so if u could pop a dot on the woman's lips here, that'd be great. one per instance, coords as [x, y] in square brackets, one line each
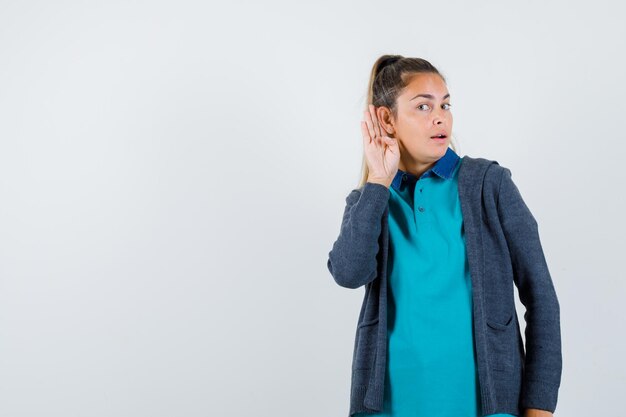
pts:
[439, 139]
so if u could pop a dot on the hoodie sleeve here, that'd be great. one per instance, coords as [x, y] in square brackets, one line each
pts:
[543, 360]
[352, 260]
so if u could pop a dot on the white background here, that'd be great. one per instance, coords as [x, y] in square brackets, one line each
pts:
[173, 175]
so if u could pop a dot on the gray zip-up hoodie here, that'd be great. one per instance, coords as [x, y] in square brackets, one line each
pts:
[503, 248]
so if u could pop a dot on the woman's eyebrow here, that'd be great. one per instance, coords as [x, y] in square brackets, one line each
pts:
[430, 96]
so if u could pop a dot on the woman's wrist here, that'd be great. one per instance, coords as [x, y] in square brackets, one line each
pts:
[382, 181]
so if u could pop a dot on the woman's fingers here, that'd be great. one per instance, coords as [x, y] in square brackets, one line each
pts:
[370, 127]
[375, 130]
[376, 125]
[374, 139]
[367, 140]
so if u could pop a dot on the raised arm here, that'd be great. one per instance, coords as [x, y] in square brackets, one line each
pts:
[352, 259]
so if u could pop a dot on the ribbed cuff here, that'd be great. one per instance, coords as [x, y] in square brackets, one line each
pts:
[539, 395]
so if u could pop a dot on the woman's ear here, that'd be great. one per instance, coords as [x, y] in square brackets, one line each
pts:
[385, 120]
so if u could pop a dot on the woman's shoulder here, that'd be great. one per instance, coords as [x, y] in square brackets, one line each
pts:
[482, 163]
[488, 171]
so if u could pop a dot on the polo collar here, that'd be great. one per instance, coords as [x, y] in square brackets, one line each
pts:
[444, 168]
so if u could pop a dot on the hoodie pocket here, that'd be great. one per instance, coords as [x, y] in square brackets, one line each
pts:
[502, 344]
[366, 344]
[500, 326]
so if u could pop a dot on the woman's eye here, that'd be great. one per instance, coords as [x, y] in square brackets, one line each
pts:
[445, 104]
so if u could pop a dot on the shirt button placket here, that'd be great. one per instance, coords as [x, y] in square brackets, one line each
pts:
[418, 197]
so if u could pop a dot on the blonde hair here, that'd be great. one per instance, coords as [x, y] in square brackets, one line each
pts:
[390, 74]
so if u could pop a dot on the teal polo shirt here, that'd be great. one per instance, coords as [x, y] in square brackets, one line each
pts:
[431, 366]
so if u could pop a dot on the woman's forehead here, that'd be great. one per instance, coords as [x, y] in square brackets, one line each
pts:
[429, 86]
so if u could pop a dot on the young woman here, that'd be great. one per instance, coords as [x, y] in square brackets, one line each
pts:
[438, 241]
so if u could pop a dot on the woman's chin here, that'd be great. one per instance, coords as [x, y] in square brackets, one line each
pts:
[439, 147]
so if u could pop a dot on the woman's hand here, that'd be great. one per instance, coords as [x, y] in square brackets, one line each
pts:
[534, 412]
[381, 152]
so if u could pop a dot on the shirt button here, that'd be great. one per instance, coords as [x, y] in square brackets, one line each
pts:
[404, 177]
[420, 208]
